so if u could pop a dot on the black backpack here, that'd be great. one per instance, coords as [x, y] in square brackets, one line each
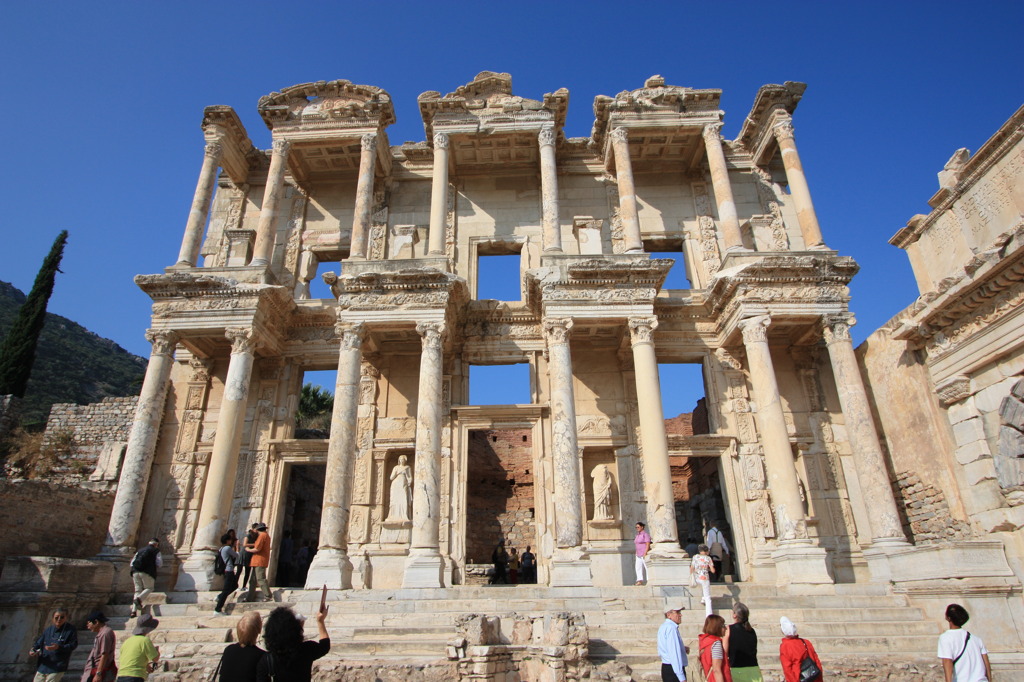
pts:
[218, 564]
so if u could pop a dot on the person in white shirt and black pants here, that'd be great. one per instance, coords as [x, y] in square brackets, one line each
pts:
[671, 649]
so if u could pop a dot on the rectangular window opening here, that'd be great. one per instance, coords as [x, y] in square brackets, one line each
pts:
[500, 384]
[498, 274]
[670, 248]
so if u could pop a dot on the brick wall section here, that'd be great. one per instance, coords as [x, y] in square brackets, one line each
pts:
[44, 518]
[927, 512]
[680, 426]
[500, 492]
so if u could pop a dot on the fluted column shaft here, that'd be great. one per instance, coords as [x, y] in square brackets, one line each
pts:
[364, 196]
[141, 448]
[197, 216]
[220, 479]
[564, 445]
[860, 429]
[771, 423]
[798, 188]
[722, 187]
[550, 228]
[661, 511]
[627, 192]
[439, 197]
[341, 448]
[264, 248]
[426, 496]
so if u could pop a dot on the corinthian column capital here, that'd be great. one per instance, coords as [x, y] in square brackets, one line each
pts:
[214, 150]
[281, 146]
[755, 329]
[368, 142]
[440, 141]
[783, 130]
[432, 333]
[556, 330]
[712, 132]
[546, 137]
[619, 135]
[641, 330]
[163, 340]
[241, 338]
[351, 334]
[836, 328]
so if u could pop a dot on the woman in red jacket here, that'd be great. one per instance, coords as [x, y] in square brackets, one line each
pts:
[793, 651]
[714, 650]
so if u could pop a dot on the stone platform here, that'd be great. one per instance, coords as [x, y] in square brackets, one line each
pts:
[426, 634]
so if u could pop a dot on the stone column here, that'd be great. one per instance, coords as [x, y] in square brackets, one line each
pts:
[439, 197]
[797, 560]
[551, 229]
[727, 217]
[364, 196]
[141, 448]
[665, 562]
[424, 567]
[570, 566]
[264, 248]
[798, 189]
[331, 566]
[886, 529]
[189, 253]
[627, 192]
[197, 571]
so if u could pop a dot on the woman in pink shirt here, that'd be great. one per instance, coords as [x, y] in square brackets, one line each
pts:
[643, 544]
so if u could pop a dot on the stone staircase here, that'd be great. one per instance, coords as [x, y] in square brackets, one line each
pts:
[405, 634]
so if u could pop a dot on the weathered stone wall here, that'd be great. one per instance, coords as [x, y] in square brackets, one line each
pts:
[927, 512]
[93, 425]
[45, 518]
[500, 491]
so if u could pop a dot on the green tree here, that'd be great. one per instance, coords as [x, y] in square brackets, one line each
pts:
[315, 407]
[19, 347]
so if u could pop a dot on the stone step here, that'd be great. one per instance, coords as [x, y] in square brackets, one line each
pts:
[845, 645]
[812, 630]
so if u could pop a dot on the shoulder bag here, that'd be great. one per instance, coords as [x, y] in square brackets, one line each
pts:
[809, 670]
[962, 650]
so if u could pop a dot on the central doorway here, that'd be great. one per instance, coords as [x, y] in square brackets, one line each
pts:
[302, 509]
[499, 492]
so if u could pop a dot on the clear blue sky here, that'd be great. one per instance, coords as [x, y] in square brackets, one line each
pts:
[102, 104]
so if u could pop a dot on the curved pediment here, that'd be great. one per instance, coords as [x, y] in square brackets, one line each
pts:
[324, 102]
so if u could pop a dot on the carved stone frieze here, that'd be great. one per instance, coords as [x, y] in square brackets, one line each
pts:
[954, 390]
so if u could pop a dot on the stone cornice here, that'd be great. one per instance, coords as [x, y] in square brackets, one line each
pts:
[770, 98]
[222, 125]
[654, 98]
[763, 279]
[337, 101]
[994, 149]
[488, 99]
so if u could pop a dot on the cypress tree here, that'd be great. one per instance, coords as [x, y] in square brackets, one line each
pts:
[19, 348]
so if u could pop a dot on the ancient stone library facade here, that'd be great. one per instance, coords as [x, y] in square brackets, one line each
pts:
[820, 478]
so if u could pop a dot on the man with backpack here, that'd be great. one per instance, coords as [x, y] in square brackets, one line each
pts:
[144, 566]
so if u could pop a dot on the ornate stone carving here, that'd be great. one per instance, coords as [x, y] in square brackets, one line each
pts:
[755, 329]
[241, 338]
[440, 141]
[761, 525]
[432, 334]
[556, 330]
[163, 340]
[783, 130]
[350, 334]
[214, 150]
[619, 135]
[641, 329]
[546, 137]
[368, 142]
[954, 390]
[712, 132]
[837, 328]
[728, 360]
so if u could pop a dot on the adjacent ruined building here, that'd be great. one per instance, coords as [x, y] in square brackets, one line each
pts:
[414, 483]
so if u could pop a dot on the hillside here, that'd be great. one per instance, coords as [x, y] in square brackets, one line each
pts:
[73, 365]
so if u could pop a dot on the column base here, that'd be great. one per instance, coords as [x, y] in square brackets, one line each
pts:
[668, 567]
[570, 567]
[801, 564]
[423, 569]
[196, 574]
[120, 559]
[878, 555]
[330, 567]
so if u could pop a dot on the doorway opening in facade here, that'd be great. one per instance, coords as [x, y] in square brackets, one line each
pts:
[696, 481]
[670, 248]
[499, 493]
[301, 523]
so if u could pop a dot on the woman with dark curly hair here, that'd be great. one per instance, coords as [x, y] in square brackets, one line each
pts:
[289, 658]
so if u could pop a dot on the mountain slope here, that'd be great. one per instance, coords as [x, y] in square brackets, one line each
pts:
[73, 365]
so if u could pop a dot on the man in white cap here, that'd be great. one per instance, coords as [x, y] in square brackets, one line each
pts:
[671, 649]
